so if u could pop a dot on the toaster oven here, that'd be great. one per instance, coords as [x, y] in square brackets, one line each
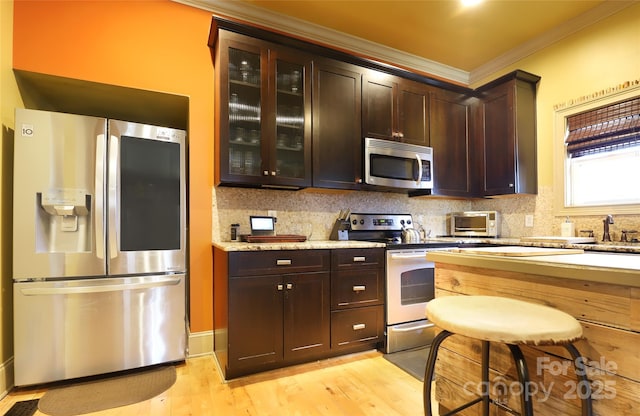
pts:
[473, 224]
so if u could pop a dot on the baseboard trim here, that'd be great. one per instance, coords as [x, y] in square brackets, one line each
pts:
[200, 343]
[6, 377]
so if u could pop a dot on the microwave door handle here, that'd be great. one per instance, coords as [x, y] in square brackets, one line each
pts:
[419, 168]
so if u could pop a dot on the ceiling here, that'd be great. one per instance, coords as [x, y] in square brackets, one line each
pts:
[442, 32]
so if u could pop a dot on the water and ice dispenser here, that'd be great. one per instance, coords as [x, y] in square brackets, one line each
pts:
[63, 223]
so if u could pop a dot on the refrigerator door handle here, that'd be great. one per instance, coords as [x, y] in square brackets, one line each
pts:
[108, 287]
[99, 196]
[112, 197]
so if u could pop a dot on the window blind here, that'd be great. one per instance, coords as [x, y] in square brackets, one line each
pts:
[604, 129]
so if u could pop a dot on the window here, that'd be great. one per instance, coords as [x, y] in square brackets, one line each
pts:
[600, 156]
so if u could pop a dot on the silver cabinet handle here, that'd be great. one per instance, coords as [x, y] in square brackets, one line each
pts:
[280, 287]
[283, 262]
[357, 327]
[359, 259]
[359, 288]
[289, 286]
[265, 172]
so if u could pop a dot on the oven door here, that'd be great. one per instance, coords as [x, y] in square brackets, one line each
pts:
[410, 285]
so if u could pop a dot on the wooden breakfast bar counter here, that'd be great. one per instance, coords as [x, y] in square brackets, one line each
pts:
[601, 290]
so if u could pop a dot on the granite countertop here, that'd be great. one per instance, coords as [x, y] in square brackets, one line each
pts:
[613, 247]
[602, 267]
[306, 245]
[633, 248]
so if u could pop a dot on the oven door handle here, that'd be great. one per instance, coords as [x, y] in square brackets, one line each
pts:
[405, 328]
[408, 256]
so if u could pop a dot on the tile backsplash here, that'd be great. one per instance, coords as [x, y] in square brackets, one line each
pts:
[313, 212]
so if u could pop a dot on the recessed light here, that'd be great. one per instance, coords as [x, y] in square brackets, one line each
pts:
[470, 3]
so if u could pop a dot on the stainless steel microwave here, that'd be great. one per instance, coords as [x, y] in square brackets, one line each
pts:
[474, 224]
[397, 165]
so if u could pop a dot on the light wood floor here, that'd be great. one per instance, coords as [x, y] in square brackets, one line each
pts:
[357, 384]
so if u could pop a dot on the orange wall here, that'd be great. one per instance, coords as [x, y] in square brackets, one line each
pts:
[147, 44]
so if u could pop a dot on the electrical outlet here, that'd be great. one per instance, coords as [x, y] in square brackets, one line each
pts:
[528, 220]
[272, 213]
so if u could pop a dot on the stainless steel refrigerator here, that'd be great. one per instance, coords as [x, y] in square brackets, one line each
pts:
[99, 256]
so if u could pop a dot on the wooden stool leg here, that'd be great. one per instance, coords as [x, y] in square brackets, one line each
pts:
[523, 377]
[583, 381]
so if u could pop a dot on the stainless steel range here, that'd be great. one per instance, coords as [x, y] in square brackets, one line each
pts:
[409, 277]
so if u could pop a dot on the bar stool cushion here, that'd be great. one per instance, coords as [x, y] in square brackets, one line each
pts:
[499, 319]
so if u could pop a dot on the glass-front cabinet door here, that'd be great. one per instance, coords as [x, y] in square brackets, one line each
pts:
[242, 132]
[265, 102]
[292, 125]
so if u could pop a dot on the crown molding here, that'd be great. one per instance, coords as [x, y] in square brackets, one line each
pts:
[600, 12]
[334, 39]
[251, 14]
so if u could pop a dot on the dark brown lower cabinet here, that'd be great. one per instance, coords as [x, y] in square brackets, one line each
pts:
[357, 298]
[355, 327]
[277, 308]
[276, 318]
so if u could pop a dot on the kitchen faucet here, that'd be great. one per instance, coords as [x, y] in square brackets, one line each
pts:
[609, 220]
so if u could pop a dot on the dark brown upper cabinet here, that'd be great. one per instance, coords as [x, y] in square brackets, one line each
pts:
[395, 108]
[337, 127]
[508, 135]
[455, 170]
[263, 123]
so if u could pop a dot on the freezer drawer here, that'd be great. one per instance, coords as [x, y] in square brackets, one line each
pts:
[70, 329]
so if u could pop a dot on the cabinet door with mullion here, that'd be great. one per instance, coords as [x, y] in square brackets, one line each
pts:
[255, 322]
[243, 85]
[288, 126]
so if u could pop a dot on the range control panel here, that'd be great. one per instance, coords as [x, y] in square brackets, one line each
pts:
[380, 222]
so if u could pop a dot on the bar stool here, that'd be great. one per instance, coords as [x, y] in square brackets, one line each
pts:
[508, 321]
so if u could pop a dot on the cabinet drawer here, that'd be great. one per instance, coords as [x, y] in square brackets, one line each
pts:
[253, 263]
[353, 288]
[351, 327]
[349, 258]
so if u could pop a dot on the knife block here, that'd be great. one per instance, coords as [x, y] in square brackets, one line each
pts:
[340, 230]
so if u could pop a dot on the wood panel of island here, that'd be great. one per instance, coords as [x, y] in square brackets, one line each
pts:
[601, 290]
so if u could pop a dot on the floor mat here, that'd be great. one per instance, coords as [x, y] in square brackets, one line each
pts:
[23, 408]
[107, 392]
[413, 362]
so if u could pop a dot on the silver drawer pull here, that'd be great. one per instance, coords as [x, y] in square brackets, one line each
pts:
[359, 288]
[358, 326]
[280, 287]
[283, 262]
[359, 259]
[289, 286]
